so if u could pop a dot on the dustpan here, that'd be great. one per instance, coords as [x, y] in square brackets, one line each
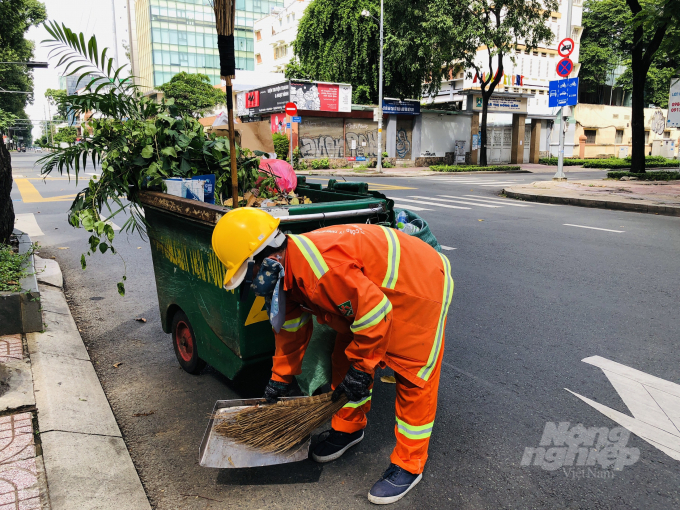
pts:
[218, 451]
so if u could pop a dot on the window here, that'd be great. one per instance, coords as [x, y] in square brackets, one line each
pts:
[534, 53]
[544, 54]
[280, 51]
[615, 116]
[619, 136]
[554, 19]
[258, 57]
[590, 135]
[646, 137]
[258, 35]
[292, 16]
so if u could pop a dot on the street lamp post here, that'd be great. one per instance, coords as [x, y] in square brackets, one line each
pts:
[380, 87]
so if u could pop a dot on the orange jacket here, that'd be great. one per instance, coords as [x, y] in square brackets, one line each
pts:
[388, 289]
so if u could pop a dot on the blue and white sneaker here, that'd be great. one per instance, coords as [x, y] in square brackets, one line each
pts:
[393, 485]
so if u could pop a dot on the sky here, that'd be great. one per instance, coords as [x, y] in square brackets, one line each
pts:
[92, 17]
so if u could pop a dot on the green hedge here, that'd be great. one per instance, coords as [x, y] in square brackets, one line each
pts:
[567, 161]
[281, 146]
[647, 176]
[625, 163]
[473, 168]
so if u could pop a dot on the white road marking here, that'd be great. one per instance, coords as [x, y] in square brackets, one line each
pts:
[27, 223]
[494, 185]
[654, 403]
[432, 203]
[483, 183]
[411, 207]
[446, 247]
[594, 228]
[458, 201]
[487, 200]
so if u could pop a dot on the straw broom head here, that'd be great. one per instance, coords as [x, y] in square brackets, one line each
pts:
[225, 12]
[280, 427]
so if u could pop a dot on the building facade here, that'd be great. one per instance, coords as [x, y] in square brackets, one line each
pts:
[274, 36]
[176, 36]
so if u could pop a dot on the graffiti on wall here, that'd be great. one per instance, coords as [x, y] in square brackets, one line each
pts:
[321, 138]
[403, 144]
[361, 138]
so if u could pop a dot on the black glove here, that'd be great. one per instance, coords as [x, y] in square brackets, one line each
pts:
[275, 390]
[355, 386]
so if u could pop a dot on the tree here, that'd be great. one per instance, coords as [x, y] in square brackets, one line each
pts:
[17, 17]
[641, 35]
[336, 43]
[193, 93]
[66, 134]
[652, 31]
[55, 97]
[499, 27]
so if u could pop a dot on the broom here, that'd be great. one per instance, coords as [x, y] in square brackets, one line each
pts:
[225, 11]
[279, 427]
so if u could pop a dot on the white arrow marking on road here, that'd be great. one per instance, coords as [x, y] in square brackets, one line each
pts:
[109, 222]
[446, 247]
[27, 223]
[488, 201]
[654, 403]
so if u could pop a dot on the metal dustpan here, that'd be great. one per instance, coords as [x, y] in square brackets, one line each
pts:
[220, 452]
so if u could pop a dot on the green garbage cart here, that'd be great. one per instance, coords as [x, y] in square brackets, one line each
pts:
[208, 323]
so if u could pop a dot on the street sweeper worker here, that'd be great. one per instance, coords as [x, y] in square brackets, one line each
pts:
[384, 292]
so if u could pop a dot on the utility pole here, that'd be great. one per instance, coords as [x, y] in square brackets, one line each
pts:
[559, 175]
[378, 167]
[115, 33]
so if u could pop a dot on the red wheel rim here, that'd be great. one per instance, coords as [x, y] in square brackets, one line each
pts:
[184, 340]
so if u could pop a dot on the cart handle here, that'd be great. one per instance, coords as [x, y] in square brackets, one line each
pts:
[335, 214]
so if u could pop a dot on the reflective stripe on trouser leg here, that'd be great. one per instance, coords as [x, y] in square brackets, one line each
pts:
[415, 409]
[347, 419]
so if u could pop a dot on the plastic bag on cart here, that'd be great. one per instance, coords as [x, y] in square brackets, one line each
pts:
[316, 365]
[286, 179]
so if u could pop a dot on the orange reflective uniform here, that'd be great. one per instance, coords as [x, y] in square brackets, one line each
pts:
[387, 295]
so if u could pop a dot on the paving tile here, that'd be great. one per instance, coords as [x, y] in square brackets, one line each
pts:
[11, 348]
[15, 424]
[19, 485]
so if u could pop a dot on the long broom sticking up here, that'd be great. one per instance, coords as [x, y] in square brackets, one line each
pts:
[280, 427]
[225, 11]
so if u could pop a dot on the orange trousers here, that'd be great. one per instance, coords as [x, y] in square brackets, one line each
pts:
[415, 410]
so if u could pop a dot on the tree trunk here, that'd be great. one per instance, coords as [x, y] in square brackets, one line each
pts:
[6, 206]
[482, 150]
[637, 119]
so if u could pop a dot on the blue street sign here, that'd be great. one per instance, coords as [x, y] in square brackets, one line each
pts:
[361, 158]
[563, 93]
[288, 124]
[297, 119]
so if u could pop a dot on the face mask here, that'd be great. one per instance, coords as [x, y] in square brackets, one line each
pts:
[268, 284]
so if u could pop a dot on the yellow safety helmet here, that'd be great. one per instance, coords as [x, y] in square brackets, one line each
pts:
[240, 235]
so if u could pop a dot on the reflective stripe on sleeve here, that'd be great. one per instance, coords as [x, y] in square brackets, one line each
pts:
[414, 431]
[425, 372]
[359, 402]
[373, 317]
[393, 258]
[296, 324]
[311, 254]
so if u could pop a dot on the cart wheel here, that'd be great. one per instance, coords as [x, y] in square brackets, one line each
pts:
[184, 342]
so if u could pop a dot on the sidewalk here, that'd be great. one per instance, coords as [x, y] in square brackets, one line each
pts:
[62, 449]
[654, 197]
[423, 171]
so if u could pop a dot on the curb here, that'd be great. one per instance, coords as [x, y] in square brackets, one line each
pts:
[86, 461]
[601, 204]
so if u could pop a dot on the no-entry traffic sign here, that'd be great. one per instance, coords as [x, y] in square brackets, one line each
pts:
[564, 67]
[291, 109]
[566, 47]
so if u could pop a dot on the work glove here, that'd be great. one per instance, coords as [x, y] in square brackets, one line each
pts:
[275, 390]
[355, 386]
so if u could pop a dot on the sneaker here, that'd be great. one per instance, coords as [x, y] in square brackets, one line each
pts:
[393, 485]
[335, 444]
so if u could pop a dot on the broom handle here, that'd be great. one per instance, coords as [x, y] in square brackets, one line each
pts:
[232, 146]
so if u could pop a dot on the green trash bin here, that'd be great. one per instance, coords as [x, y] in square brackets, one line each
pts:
[228, 334]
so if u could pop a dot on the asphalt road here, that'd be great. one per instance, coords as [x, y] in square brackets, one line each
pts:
[535, 294]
